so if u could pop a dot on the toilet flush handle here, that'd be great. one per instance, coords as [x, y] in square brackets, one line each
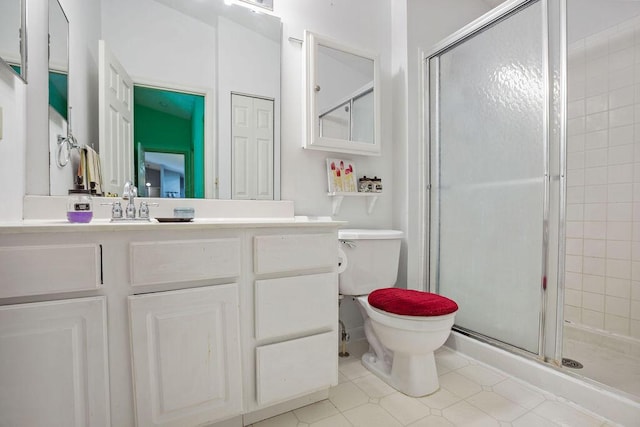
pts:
[348, 243]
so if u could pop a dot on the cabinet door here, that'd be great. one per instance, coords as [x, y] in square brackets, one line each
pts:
[186, 356]
[53, 364]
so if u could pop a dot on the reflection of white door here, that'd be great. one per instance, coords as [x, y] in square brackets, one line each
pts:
[251, 147]
[116, 122]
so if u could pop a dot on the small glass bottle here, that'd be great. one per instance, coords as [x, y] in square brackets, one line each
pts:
[79, 207]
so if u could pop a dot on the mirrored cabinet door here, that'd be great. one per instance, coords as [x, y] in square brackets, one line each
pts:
[13, 33]
[342, 97]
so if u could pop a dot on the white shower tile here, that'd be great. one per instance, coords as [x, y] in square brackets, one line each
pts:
[593, 266]
[620, 116]
[596, 67]
[575, 178]
[635, 290]
[621, 97]
[618, 287]
[596, 140]
[623, 38]
[573, 263]
[622, 135]
[574, 229]
[594, 302]
[595, 319]
[620, 230]
[596, 45]
[576, 126]
[635, 236]
[619, 269]
[635, 251]
[596, 85]
[598, 103]
[621, 78]
[593, 284]
[575, 160]
[573, 298]
[594, 122]
[636, 192]
[577, 108]
[634, 312]
[573, 246]
[620, 212]
[576, 143]
[575, 195]
[595, 229]
[576, 88]
[617, 324]
[595, 194]
[572, 314]
[595, 211]
[617, 306]
[636, 171]
[635, 270]
[573, 280]
[620, 155]
[619, 249]
[594, 248]
[621, 59]
[620, 174]
[634, 328]
[595, 176]
[620, 193]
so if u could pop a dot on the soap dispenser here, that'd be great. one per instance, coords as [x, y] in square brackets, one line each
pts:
[79, 205]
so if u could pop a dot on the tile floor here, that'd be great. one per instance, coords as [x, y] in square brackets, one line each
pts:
[471, 394]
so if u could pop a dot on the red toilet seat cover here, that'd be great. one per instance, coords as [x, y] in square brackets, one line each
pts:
[408, 302]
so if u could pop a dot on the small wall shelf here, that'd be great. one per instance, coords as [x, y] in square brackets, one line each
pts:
[338, 197]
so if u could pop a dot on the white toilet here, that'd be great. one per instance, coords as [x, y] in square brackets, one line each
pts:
[403, 327]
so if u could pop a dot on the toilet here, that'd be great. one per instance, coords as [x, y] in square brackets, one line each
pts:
[403, 327]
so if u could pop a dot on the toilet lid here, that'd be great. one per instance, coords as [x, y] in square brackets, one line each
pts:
[408, 302]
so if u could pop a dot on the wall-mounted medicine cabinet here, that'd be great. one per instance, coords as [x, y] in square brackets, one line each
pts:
[342, 97]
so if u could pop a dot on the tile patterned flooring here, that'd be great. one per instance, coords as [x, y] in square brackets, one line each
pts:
[471, 394]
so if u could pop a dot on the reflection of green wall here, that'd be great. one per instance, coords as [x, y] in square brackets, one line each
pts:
[161, 132]
[58, 84]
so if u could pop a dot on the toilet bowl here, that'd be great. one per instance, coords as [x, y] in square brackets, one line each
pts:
[403, 327]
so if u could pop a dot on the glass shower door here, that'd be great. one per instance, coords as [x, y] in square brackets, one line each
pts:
[488, 177]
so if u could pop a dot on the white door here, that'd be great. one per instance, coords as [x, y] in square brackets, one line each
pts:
[186, 356]
[53, 364]
[116, 122]
[252, 147]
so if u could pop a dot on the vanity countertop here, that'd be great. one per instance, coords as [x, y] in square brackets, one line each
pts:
[96, 225]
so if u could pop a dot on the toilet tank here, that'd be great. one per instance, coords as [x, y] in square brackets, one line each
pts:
[371, 260]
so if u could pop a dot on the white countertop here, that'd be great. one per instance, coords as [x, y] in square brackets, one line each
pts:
[59, 225]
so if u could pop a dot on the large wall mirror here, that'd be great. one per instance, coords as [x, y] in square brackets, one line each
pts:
[13, 52]
[185, 59]
[342, 97]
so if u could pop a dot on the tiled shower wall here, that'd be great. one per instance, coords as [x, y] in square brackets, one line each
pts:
[603, 181]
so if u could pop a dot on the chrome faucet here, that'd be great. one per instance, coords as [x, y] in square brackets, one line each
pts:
[129, 193]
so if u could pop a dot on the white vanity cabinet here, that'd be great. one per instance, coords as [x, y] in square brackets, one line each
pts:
[165, 325]
[294, 301]
[53, 364]
[186, 356]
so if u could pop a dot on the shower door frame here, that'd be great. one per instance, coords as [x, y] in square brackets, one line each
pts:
[552, 281]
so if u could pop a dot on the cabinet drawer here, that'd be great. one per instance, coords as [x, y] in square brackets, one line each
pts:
[295, 368]
[295, 252]
[294, 305]
[183, 261]
[36, 270]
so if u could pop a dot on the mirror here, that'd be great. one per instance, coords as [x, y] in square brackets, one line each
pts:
[13, 50]
[342, 97]
[208, 49]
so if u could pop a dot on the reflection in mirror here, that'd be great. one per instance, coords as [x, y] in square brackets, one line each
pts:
[342, 98]
[207, 48]
[12, 31]
[169, 137]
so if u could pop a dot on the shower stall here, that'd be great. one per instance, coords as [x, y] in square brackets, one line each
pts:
[532, 118]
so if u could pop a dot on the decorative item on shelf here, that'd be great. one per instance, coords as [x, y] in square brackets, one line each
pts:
[342, 176]
[376, 184]
[365, 185]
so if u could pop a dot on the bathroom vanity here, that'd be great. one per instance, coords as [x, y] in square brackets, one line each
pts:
[219, 322]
